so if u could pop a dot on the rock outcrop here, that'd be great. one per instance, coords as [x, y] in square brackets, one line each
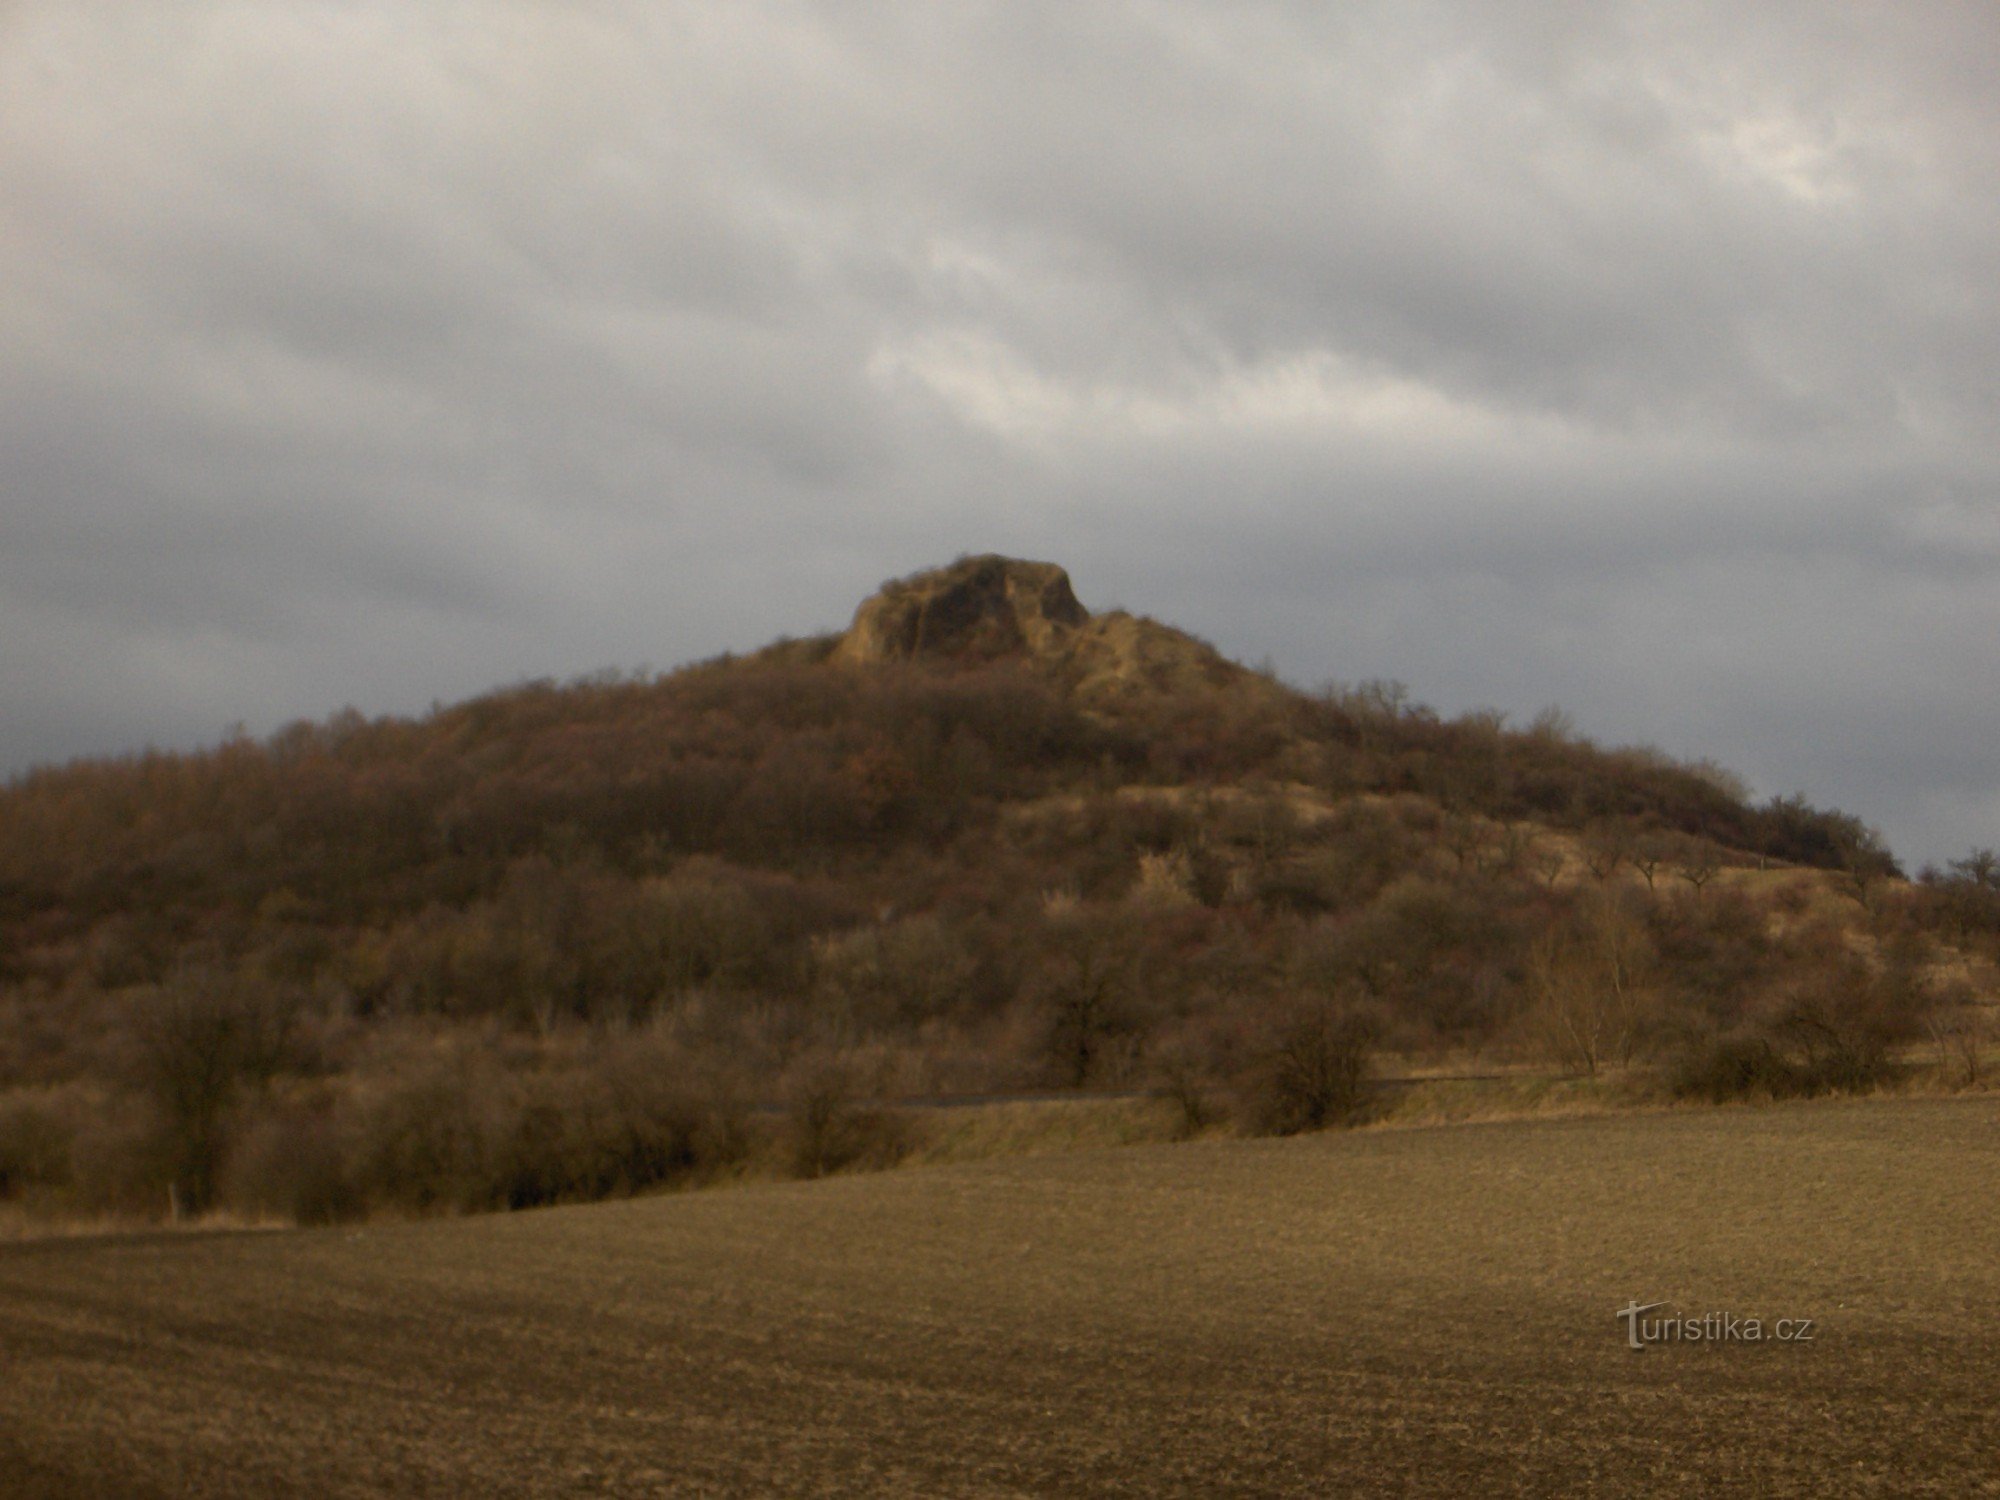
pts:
[991, 607]
[976, 607]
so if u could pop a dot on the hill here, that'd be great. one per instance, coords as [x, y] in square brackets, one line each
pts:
[569, 940]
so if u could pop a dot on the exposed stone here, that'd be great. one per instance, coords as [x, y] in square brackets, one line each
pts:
[1121, 653]
[983, 608]
[976, 607]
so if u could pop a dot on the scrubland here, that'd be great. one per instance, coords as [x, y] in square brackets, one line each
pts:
[986, 876]
[569, 943]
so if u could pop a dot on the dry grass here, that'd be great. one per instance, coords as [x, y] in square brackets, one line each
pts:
[1411, 1311]
[1040, 1127]
[1452, 1101]
[20, 1222]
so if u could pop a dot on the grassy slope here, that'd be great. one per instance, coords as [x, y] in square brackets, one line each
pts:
[1422, 1311]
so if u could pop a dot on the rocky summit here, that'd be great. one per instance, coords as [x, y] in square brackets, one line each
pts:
[976, 607]
[987, 607]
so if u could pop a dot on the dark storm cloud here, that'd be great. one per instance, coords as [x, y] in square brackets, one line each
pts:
[1630, 357]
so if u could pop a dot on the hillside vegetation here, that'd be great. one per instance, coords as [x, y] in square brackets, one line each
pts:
[573, 940]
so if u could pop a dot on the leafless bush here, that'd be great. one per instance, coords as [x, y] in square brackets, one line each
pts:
[428, 1140]
[293, 1161]
[1165, 881]
[1698, 862]
[898, 972]
[35, 1148]
[1590, 982]
[1084, 986]
[1721, 1068]
[1315, 1067]
[467, 1134]
[1835, 1031]
[1186, 1081]
[199, 1044]
[116, 1160]
[830, 1127]
[1842, 1028]
[1959, 1028]
[581, 1135]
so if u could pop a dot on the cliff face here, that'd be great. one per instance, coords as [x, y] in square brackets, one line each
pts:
[980, 608]
[976, 607]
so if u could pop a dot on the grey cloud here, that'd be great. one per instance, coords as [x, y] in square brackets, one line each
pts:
[1630, 358]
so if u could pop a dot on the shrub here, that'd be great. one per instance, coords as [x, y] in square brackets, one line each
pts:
[1589, 980]
[116, 1162]
[579, 1136]
[199, 1044]
[559, 1143]
[1843, 1026]
[293, 1161]
[1314, 1071]
[1721, 1068]
[428, 1141]
[829, 1128]
[1836, 1031]
[894, 973]
[665, 1125]
[35, 1148]
[1180, 1078]
[1085, 985]
[1958, 1027]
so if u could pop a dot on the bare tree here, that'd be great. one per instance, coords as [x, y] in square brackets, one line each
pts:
[1589, 981]
[1468, 838]
[1862, 872]
[1698, 864]
[1316, 1067]
[1181, 1079]
[1980, 867]
[198, 1044]
[1085, 987]
[1958, 1028]
[1647, 855]
[1843, 1027]
[1511, 848]
[1606, 846]
[1566, 1009]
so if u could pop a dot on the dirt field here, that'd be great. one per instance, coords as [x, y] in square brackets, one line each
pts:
[1395, 1312]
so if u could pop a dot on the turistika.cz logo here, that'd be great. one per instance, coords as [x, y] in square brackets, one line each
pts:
[1709, 1328]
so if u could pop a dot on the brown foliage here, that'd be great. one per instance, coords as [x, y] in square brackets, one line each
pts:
[831, 1126]
[779, 858]
[198, 1046]
[1591, 985]
[1313, 1068]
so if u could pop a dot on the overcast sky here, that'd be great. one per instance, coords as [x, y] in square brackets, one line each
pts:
[1641, 359]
